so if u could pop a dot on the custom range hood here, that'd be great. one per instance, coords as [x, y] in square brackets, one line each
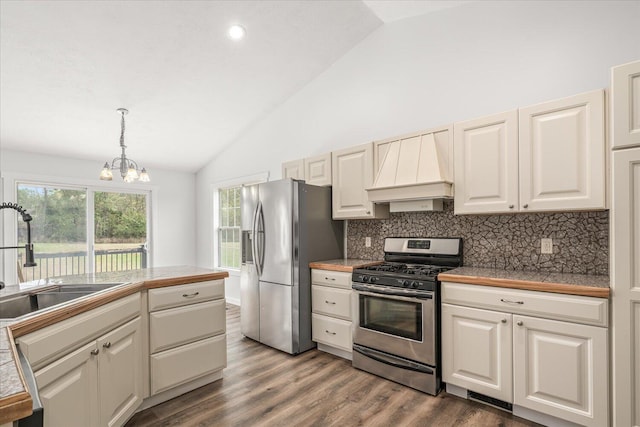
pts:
[415, 172]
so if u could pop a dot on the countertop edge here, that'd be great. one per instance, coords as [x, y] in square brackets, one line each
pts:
[560, 288]
[19, 405]
[343, 265]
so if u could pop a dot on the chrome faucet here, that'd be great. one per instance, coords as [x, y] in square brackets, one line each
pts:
[28, 247]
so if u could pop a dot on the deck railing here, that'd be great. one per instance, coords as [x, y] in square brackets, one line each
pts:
[67, 263]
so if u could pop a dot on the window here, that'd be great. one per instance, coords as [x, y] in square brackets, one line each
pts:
[229, 227]
[77, 230]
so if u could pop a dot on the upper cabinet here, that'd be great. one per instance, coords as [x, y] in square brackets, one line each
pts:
[313, 170]
[546, 157]
[625, 91]
[352, 172]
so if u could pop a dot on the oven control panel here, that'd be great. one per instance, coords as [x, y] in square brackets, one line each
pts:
[395, 282]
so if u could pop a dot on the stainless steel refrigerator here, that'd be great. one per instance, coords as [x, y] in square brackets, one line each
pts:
[285, 225]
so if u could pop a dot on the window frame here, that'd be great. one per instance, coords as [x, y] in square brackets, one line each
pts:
[10, 222]
[215, 211]
[226, 228]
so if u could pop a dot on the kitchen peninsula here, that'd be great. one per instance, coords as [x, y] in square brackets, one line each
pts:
[141, 300]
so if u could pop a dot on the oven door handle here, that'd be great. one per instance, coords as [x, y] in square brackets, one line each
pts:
[403, 295]
[382, 358]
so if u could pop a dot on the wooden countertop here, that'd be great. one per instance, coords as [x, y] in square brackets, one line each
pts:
[15, 400]
[346, 265]
[562, 283]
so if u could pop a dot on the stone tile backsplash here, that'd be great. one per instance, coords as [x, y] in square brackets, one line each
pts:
[507, 241]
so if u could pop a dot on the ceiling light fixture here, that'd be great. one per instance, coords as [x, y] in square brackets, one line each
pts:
[128, 168]
[236, 32]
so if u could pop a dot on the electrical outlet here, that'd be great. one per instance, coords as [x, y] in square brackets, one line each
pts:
[367, 242]
[546, 246]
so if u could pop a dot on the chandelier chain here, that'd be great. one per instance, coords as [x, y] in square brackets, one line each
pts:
[122, 130]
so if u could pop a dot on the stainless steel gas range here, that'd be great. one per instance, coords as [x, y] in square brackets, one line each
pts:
[397, 305]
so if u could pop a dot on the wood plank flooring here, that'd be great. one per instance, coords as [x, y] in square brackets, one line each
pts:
[265, 387]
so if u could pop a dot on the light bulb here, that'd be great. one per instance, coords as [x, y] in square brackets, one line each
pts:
[106, 174]
[236, 32]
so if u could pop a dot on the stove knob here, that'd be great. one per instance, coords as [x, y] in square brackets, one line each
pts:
[414, 284]
[373, 279]
[366, 279]
[405, 283]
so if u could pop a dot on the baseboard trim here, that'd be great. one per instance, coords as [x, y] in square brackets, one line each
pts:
[335, 351]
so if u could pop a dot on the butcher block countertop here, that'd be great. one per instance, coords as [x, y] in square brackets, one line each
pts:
[346, 265]
[15, 400]
[562, 283]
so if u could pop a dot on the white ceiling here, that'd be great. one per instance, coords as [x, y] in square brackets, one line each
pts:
[66, 66]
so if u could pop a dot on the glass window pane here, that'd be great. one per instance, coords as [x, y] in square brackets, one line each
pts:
[229, 219]
[58, 230]
[120, 231]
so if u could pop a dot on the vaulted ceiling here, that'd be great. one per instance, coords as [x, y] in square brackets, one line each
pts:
[66, 66]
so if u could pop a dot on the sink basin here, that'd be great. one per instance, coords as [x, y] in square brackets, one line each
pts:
[17, 306]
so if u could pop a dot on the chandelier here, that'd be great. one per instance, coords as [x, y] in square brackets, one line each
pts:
[128, 169]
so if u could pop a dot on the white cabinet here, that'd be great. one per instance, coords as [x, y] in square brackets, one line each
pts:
[625, 106]
[98, 384]
[543, 364]
[187, 340]
[625, 245]
[486, 164]
[314, 170]
[352, 172]
[331, 311]
[545, 157]
[560, 369]
[477, 348]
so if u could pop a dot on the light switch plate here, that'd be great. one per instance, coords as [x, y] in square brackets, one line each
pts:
[367, 242]
[546, 246]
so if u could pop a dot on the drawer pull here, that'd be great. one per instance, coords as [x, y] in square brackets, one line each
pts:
[511, 302]
[107, 344]
[95, 351]
[195, 294]
[504, 320]
[330, 278]
[330, 302]
[329, 332]
[519, 323]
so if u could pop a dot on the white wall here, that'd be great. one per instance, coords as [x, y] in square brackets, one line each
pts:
[174, 236]
[417, 73]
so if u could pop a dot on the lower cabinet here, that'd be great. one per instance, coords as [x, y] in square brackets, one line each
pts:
[549, 367]
[99, 384]
[331, 311]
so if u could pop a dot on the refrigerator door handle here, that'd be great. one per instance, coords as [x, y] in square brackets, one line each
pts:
[261, 237]
[254, 240]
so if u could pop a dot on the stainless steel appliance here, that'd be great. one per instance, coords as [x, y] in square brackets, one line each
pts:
[396, 328]
[285, 225]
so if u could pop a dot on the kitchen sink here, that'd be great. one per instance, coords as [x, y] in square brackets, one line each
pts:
[16, 306]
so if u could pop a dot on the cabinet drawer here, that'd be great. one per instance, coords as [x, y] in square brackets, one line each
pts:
[333, 332]
[574, 308]
[49, 343]
[181, 325]
[331, 301]
[174, 296]
[185, 363]
[338, 279]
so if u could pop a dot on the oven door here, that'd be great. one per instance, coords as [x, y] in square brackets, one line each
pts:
[402, 325]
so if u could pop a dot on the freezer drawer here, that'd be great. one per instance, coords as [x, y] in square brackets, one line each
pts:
[276, 327]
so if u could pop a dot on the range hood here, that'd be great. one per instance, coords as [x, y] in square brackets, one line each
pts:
[414, 172]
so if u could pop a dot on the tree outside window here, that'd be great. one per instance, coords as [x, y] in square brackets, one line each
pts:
[229, 253]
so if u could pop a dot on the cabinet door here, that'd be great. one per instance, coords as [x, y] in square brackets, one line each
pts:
[120, 373]
[352, 173]
[625, 286]
[68, 389]
[486, 164]
[625, 102]
[561, 369]
[476, 350]
[293, 169]
[317, 170]
[562, 154]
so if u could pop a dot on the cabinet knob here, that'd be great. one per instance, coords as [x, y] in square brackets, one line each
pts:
[95, 352]
[329, 332]
[519, 323]
[504, 320]
[525, 206]
[107, 344]
[368, 212]
[511, 206]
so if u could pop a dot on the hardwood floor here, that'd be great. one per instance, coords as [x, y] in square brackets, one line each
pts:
[265, 387]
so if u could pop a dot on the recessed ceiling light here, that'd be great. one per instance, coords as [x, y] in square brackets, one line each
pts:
[236, 32]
